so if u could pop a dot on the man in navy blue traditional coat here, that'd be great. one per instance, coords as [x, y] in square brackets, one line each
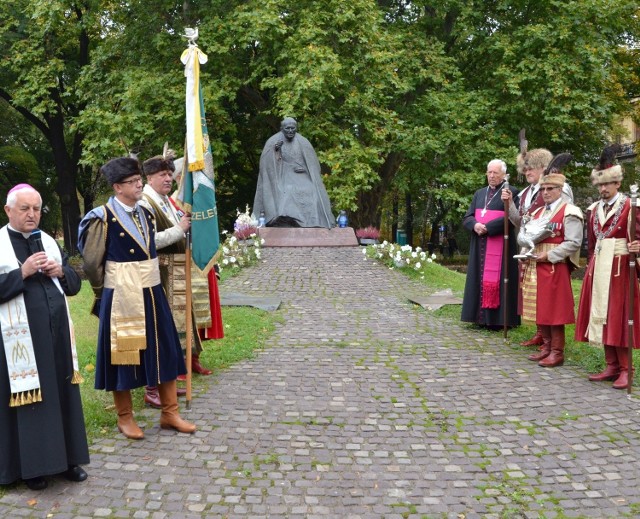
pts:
[138, 343]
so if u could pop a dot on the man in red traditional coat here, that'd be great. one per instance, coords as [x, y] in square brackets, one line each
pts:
[603, 312]
[532, 165]
[548, 273]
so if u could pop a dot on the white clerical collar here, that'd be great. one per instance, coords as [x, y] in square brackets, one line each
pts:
[25, 234]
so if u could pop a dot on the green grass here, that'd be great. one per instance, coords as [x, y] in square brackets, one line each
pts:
[436, 277]
[245, 331]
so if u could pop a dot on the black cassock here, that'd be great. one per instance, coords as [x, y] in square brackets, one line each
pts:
[472, 310]
[43, 438]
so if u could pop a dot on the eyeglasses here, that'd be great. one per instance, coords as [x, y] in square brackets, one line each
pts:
[132, 181]
[548, 188]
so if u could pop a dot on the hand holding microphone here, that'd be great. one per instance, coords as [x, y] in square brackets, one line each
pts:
[38, 261]
[33, 264]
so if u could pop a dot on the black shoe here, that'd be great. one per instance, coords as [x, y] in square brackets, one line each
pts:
[37, 483]
[75, 473]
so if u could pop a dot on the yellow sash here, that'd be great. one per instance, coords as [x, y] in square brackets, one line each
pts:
[128, 325]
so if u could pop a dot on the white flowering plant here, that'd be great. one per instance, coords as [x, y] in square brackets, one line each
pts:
[236, 254]
[399, 256]
[245, 226]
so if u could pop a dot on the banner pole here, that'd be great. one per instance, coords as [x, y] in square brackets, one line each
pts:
[633, 281]
[505, 263]
[189, 316]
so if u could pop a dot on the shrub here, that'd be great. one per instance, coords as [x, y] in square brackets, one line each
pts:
[399, 256]
[372, 233]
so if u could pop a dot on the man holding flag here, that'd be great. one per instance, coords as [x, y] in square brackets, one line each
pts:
[196, 192]
[171, 226]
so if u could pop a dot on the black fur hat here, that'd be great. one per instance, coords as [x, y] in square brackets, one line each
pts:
[162, 162]
[156, 164]
[116, 170]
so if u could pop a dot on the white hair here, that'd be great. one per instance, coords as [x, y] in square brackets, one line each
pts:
[12, 196]
[503, 165]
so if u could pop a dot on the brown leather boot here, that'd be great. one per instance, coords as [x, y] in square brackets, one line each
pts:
[536, 340]
[612, 371]
[151, 397]
[556, 357]
[623, 379]
[124, 407]
[545, 348]
[198, 368]
[170, 418]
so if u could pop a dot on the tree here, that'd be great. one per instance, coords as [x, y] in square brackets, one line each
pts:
[45, 46]
[399, 97]
[423, 90]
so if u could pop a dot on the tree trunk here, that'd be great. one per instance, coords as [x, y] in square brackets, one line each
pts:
[434, 241]
[394, 225]
[370, 202]
[66, 170]
[88, 186]
[408, 222]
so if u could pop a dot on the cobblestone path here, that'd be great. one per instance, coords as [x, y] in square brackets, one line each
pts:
[365, 406]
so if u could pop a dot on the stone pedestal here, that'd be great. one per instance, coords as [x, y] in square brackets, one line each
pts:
[308, 237]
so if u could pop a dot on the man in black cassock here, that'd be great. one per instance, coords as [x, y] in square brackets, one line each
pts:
[484, 296]
[42, 430]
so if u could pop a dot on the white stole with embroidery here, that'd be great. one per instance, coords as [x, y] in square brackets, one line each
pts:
[24, 381]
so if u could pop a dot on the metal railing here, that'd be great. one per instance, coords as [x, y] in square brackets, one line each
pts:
[628, 150]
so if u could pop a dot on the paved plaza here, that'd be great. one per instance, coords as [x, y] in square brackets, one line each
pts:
[364, 405]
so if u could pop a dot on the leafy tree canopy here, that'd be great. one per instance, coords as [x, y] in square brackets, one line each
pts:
[397, 97]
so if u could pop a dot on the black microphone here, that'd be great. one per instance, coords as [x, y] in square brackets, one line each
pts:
[37, 240]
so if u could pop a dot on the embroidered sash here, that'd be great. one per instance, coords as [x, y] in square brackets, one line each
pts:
[609, 248]
[128, 323]
[176, 291]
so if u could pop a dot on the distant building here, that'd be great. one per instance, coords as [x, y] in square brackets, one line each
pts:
[630, 142]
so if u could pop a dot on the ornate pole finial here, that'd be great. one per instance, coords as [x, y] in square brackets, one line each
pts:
[191, 35]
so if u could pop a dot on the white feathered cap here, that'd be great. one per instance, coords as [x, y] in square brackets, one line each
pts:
[178, 164]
